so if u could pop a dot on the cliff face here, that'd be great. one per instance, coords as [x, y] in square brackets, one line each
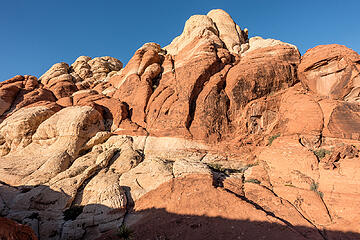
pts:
[239, 134]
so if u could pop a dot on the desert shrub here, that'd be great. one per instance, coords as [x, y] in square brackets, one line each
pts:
[124, 232]
[272, 138]
[252, 180]
[315, 187]
[321, 153]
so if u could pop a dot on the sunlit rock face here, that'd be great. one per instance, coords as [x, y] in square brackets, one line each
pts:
[332, 71]
[211, 133]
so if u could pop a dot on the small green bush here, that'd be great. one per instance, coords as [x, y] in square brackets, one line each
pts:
[315, 187]
[252, 180]
[321, 153]
[272, 138]
[124, 232]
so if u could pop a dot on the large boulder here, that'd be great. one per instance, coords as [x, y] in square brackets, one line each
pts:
[344, 121]
[22, 91]
[300, 114]
[284, 167]
[16, 131]
[59, 80]
[112, 110]
[50, 149]
[259, 73]
[341, 119]
[331, 71]
[147, 176]
[8, 91]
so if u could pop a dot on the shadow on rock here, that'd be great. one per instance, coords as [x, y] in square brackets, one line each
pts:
[47, 213]
[160, 224]
[50, 215]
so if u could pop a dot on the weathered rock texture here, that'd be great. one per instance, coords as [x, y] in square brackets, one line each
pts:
[213, 130]
[14, 231]
[331, 71]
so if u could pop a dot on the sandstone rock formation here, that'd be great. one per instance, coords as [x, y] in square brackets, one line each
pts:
[217, 135]
[194, 194]
[22, 91]
[331, 71]
[258, 42]
[63, 80]
[12, 230]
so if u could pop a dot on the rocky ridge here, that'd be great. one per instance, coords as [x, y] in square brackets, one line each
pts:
[214, 125]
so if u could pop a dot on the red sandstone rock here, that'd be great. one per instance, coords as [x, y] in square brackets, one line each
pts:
[65, 102]
[237, 98]
[135, 83]
[259, 73]
[29, 97]
[210, 118]
[344, 121]
[301, 114]
[331, 71]
[341, 119]
[59, 80]
[22, 91]
[214, 212]
[11, 230]
[8, 92]
[172, 105]
[113, 111]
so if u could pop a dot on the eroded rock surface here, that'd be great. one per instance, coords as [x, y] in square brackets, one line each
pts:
[331, 71]
[217, 135]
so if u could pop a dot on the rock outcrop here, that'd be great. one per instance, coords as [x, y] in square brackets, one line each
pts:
[23, 91]
[63, 80]
[213, 136]
[331, 71]
[12, 230]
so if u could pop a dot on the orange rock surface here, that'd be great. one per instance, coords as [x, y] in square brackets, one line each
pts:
[213, 136]
[14, 231]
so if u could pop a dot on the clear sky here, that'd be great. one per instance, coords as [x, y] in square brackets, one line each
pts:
[35, 34]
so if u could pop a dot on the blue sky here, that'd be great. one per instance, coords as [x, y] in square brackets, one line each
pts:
[36, 34]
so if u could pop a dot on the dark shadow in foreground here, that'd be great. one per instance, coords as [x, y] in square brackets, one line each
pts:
[158, 224]
[47, 212]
